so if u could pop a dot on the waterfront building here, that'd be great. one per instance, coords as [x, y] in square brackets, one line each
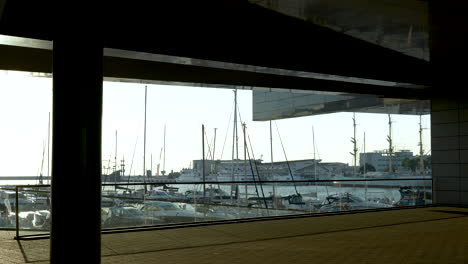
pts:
[381, 160]
[306, 169]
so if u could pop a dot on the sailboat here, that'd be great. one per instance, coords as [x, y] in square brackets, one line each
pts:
[415, 196]
[41, 171]
[314, 201]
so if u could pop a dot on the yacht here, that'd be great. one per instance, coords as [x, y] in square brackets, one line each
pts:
[346, 202]
[170, 212]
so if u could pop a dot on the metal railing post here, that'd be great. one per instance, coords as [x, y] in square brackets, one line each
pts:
[17, 212]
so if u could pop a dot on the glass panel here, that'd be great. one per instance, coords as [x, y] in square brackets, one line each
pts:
[7, 207]
[127, 206]
[33, 212]
[178, 154]
[401, 26]
[25, 140]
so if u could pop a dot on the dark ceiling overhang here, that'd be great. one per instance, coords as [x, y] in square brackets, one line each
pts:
[229, 31]
[120, 67]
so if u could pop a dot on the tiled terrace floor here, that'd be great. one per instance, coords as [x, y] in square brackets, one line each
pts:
[425, 235]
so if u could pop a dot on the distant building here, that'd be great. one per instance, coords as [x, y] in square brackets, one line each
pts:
[323, 170]
[115, 176]
[215, 166]
[381, 160]
[306, 168]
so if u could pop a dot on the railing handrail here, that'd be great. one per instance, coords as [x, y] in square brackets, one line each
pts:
[229, 182]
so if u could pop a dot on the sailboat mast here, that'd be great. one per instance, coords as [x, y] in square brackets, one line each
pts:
[214, 169]
[203, 162]
[214, 144]
[315, 163]
[48, 149]
[164, 153]
[354, 141]
[144, 140]
[115, 161]
[271, 159]
[390, 144]
[234, 134]
[115, 157]
[275, 204]
[286, 159]
[421, 153]
[271, 144]
[365, 165]
[421, 150]
[42, 163]
[245, 159]
[235, 126]
[234, 143]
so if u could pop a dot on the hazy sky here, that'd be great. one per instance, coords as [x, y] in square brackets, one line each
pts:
[25, 103]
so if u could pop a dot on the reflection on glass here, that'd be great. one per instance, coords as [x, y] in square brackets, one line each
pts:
[126, 205]
[399, 26]
[187, 203]
[174, 155]
[26, 208]
[220, 154]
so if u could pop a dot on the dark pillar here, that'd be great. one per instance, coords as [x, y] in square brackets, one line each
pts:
[449, 114]
[76, 148]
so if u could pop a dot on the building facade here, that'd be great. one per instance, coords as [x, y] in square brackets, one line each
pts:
[382, 161]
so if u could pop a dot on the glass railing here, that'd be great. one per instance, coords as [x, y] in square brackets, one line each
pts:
[130, 205]
[25, 208]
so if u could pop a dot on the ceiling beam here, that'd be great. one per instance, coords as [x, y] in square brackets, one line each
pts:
[228, 31]
[40, 60]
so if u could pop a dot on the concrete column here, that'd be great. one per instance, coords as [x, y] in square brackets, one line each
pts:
[449, 114]
[76, 149]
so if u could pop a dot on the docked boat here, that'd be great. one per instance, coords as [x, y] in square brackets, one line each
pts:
[211, 193]
[158, 195]
[346, 202]
[412, 196]
[170, 212]
[126, 216]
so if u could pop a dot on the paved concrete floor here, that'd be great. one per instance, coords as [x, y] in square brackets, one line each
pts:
[425, 235]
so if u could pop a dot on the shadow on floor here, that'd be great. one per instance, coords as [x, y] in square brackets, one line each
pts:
[34, 250]
[38, 250]
[451, 212]
[181, 246]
